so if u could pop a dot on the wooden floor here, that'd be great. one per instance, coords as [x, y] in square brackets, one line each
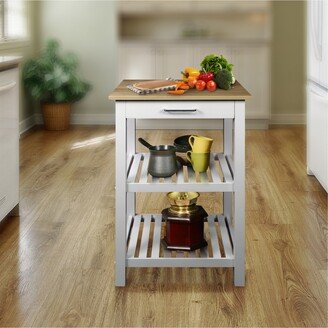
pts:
[57, 258]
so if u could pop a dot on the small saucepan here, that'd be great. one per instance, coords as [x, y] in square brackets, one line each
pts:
[162, 161]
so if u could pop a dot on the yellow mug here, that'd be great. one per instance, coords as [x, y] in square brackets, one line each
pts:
[200, 144]
[199, 161]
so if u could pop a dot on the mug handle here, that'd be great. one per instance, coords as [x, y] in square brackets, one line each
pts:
[191, 140]
[188, 155]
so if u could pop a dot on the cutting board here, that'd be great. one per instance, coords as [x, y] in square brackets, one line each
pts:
[152, 86]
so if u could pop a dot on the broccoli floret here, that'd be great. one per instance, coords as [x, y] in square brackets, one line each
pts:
[224, 79]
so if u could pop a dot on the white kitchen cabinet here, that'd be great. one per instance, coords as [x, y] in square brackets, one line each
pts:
[154, 7]
[252, 68]
[317, 129]
[137, 61]
[9, 141]
[171, 60]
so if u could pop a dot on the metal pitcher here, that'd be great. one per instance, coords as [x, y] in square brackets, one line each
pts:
[162, 161]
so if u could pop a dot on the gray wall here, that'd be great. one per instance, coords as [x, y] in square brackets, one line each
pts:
[88, 28]
[288, 57]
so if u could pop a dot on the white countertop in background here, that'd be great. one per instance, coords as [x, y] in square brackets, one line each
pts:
[9, 61]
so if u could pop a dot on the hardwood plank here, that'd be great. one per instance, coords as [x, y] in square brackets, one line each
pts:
[57, 258]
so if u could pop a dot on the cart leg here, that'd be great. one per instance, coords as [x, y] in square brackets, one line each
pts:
[239, 203]
[227, 148]
[121, 208]
[131, 150]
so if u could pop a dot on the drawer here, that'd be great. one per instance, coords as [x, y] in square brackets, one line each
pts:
[179, 109]
[9, 94]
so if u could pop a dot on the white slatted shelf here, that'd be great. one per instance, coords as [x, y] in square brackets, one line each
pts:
[141, 240]
[205, 182]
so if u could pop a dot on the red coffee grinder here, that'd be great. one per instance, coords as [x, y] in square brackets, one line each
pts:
[184, 222]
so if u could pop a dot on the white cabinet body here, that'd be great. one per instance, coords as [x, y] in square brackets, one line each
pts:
[9, 141]
[317, 148]
[137, 62]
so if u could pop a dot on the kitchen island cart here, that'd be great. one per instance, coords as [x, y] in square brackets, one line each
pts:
[226, 174]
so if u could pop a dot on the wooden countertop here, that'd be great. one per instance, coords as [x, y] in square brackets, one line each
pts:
[7, 62]
[238, 92]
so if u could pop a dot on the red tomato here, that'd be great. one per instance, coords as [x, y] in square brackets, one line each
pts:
[200, 85]
[211, 86]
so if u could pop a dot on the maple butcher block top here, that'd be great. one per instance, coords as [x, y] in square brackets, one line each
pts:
[237, 92]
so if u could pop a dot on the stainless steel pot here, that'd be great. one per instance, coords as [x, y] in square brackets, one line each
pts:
[162, 161]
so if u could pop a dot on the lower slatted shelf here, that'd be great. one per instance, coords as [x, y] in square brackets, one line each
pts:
[144, 247]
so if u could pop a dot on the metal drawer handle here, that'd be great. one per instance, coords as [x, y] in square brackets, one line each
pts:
[180, 111]
[7, 86]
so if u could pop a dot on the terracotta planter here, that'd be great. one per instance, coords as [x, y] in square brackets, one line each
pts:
[56, 117]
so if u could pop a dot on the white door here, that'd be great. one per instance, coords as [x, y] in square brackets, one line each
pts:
[318, 134]
[137, 61]
[252, 69]
[318, 42]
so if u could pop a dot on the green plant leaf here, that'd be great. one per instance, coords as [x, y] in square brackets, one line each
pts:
[53, 77]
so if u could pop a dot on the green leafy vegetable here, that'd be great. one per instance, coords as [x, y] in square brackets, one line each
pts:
[211, 63]
[214, 63]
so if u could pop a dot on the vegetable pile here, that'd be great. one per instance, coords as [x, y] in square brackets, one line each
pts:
[215, 72]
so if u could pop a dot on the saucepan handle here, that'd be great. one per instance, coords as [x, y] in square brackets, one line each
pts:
[145, 143]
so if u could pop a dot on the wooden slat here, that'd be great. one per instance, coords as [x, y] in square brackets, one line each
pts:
[225, 168]
[166, 253]
[179, 254]
[134, 236]
[215, 175]
[225, 238]
[203, 178]
[180, 177]
[144, 170]
[134, 168]
[203, 252]
[168, 180]
[166, 262]
[214, 237]
[128, 226]
[192, 254]
[191, 175]
[155, 180]
[129, 164]
[145, 236]
[156, 236]
[231, 163]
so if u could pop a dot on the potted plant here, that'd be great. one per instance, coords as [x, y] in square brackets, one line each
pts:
[52, 79]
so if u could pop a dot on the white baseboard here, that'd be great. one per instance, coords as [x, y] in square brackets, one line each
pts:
[26, 124]
[86, 119]
[288, 118]
[109, 119]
